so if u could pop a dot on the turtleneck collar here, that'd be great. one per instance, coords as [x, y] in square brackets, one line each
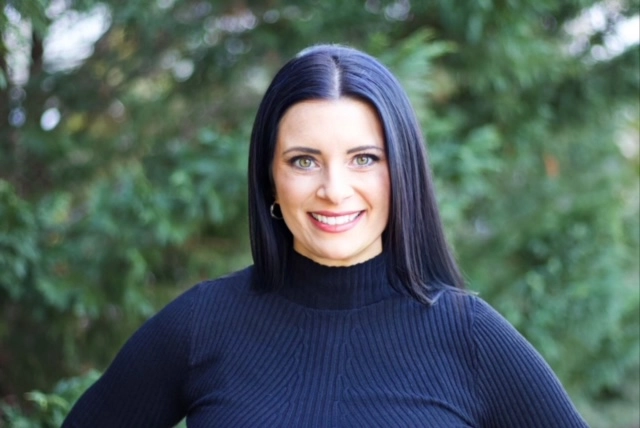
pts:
[336, 288]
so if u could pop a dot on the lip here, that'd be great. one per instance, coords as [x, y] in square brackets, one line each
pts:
[344, 225]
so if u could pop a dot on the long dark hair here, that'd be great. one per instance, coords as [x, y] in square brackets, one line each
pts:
[421, 262]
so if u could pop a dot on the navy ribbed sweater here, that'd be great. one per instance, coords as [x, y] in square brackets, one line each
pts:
[336, 347]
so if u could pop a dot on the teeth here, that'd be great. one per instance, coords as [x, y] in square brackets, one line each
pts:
[335, 220]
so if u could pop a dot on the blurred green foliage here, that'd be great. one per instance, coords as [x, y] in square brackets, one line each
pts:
[123, 173]
[50, 409]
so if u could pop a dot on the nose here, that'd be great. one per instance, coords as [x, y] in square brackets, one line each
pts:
[335, 186]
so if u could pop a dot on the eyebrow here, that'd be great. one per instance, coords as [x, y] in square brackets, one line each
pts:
[303, 150]
[311, 151]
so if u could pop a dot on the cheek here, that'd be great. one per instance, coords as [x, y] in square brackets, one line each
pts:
[278, 182]
[291, 192]
[384, 194]
[383, 184]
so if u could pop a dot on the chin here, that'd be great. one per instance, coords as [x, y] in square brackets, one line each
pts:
[341, 258]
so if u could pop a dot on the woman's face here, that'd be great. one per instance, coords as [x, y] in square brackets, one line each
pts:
[332, 180]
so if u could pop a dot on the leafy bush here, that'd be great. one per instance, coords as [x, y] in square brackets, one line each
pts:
[49, 410]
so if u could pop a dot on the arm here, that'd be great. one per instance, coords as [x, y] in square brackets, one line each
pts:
[143, 386]
[517, 387]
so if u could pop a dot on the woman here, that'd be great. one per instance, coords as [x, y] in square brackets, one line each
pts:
[353, 313]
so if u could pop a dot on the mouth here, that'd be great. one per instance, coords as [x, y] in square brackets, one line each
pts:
[336, 220]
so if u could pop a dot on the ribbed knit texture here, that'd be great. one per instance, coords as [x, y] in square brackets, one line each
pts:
[336, 347]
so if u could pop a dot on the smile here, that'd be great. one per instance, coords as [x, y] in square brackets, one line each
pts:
[336, 220]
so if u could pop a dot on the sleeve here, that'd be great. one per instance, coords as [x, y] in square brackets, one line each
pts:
[143, 386]
[517, 387]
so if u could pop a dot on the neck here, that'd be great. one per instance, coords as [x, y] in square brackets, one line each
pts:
[336, 287]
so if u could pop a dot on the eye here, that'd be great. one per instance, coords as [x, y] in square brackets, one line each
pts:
[303, 162]
[365, 160]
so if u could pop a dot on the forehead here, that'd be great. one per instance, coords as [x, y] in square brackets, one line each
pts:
[339, 120]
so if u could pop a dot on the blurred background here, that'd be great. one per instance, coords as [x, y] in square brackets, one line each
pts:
[124, 130]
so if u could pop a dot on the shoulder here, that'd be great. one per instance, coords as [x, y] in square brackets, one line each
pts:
[202, 298]
[233, 283]
[238, 281]
[449, 319]
[491, 329]
[503, 354]
[217, 305]
[516, 385]
[469, 308]
[454, 306]
[211, 294]
[486, 327]
[473, 320]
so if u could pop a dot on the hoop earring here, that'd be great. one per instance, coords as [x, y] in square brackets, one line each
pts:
[272, 211]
